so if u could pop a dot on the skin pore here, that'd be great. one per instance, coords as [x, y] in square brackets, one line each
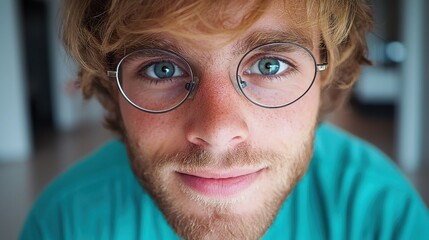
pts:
[185, 157]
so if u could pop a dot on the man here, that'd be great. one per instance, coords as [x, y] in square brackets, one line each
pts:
[218, 105]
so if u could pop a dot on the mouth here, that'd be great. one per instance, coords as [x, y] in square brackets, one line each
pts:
[220, 184]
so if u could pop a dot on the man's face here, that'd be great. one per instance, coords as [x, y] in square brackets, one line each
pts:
[219, 166]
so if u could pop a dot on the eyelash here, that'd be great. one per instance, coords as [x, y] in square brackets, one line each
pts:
[142, 71]
[291, 66]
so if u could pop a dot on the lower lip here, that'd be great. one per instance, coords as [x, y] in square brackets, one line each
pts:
[219, 187]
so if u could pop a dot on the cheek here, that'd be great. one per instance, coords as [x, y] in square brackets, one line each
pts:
[305, 111]
[150, 133]
[291, 124]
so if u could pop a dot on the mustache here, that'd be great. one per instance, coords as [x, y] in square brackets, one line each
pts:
[197, 158]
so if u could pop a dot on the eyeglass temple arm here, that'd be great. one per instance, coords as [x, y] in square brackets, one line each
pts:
[324, 54]
[320, 67]
[112, 73]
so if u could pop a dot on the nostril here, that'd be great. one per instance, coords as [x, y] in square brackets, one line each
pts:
[216, 138]
[198, 141]
[237, 139]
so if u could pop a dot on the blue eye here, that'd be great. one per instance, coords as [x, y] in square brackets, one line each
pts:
[161, 70]
[267, 66]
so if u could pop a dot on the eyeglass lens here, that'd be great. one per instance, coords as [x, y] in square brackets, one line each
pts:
[277, 74]
[154, 80]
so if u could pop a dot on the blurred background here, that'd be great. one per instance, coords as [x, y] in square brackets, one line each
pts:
[45, 126]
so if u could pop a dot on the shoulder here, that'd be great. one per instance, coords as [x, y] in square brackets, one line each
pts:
[108, 163]
[340, 154]
[87, 194]
[358, 185]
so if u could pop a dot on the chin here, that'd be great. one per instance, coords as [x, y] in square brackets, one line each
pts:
[245, 215]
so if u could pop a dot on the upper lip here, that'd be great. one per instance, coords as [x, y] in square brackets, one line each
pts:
[222, 174]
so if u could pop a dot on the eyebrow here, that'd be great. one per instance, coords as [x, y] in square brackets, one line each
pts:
[156, 41]
[256, 39]
[244, 45]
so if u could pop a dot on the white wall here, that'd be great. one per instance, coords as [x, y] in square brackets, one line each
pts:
[413, 105]
[15, 138]
[69, 109]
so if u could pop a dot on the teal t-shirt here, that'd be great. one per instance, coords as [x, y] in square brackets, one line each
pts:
[350, 191]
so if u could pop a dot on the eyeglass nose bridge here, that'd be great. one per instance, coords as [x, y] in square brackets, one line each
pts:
[192, 86]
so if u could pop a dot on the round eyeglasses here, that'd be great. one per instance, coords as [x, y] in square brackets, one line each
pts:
[272, 75]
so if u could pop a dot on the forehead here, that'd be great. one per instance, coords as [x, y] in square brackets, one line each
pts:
[242, 23]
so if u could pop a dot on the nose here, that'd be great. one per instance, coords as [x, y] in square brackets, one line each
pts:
[218, 118]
